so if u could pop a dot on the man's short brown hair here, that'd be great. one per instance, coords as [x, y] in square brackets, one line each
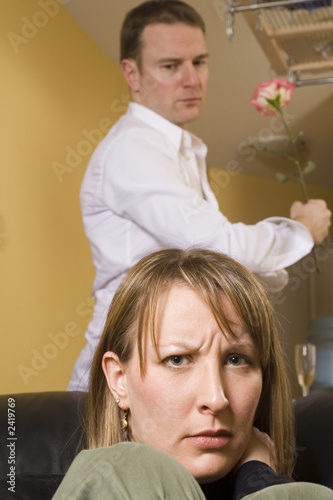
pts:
[152, 12]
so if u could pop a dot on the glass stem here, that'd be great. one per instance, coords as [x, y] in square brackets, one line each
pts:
[305, 390]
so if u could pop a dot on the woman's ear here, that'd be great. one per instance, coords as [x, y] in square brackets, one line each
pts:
[115, 374]
[131, 74]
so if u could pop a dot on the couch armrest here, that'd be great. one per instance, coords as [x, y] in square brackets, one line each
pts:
[314, 439]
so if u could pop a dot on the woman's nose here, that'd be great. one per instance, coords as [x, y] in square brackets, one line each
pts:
[212, 395]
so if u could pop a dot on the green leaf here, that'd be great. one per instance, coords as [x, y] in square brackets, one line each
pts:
[281, 177]
[310, 167]
[262, 148]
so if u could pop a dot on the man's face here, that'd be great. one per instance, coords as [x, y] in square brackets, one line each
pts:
[173, 75]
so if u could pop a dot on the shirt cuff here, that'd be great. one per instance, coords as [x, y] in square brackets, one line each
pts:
[274, 282]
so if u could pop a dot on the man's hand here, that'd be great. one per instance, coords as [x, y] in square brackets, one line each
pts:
[315, 216]
[260, 448]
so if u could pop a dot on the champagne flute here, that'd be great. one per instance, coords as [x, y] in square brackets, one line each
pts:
[305, 362]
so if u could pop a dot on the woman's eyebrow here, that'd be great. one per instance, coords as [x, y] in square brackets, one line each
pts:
[242, 344]
[179, 345]
[241, 336]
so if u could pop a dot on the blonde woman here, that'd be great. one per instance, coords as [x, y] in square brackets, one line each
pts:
[188, 389]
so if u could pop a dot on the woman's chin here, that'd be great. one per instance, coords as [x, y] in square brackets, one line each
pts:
[211, 473]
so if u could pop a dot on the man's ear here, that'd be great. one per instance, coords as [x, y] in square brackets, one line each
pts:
[131, 74]
[115, 374]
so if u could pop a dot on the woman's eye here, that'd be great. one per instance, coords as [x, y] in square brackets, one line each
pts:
[177, 360]
[235, 360]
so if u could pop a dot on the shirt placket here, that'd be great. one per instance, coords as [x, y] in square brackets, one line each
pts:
[190, 165]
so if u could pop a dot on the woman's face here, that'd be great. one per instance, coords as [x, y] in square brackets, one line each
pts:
[198, 397]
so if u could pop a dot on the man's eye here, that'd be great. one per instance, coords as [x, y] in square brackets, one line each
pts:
[169, 66]
[199, 63]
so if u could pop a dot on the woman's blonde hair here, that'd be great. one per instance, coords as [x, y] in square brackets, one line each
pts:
[132, 315]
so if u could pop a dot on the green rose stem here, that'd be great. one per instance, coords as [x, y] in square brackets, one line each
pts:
[295, 159]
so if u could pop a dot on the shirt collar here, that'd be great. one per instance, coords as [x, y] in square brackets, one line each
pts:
[175, 134]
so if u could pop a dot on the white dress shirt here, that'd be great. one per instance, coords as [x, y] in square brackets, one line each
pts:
[146, 188]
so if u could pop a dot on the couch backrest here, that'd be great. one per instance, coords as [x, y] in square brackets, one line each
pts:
[48, 430]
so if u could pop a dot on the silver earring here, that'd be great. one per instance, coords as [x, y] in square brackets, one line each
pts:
[117, 401]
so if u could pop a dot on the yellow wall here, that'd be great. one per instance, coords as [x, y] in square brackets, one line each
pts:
[250, 198]
[56, 88]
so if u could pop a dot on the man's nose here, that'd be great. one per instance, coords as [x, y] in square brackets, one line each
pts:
[190, 76]
[212, 397]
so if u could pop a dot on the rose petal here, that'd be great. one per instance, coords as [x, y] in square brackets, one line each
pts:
[275, 89]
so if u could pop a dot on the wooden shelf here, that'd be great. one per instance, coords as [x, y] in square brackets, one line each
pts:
[297, 40]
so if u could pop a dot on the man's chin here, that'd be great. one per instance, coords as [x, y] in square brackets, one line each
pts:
[187, 116]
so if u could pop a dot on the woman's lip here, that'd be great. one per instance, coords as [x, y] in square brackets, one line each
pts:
[210, 441]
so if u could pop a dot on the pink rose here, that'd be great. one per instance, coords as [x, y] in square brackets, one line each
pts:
[278, 90]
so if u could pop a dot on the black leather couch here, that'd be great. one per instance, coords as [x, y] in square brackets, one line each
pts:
[46, 431]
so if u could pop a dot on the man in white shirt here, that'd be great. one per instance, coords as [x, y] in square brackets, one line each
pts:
[146, 185]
